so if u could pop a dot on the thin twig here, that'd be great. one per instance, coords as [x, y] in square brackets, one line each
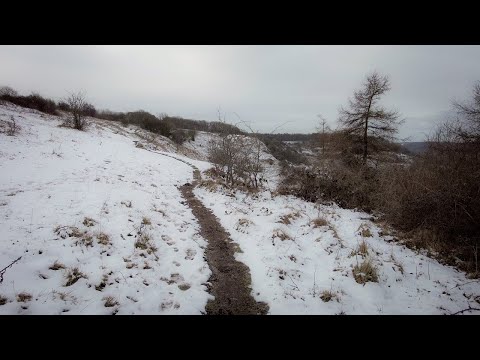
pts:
[294, 282]
[5, 269]
[468, 309]
[468, 282]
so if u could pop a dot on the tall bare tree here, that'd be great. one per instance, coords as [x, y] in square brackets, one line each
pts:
[323, 129]
[364, 117]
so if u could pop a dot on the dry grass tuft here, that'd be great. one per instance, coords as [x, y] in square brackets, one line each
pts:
[57, 266]
[362, 249]
[24, 297]
[281, 234]
[103, 239]
[89, 222]
[287, 219]
[73, 275]
[327, 295]
[146, 221]
[365, 231]
[365, 272]
[110, 301]
[319, 222]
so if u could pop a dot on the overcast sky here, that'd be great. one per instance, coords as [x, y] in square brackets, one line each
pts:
[264, 85]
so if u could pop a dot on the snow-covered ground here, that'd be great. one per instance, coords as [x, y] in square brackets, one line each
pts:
[200, 145]
[72, 204]
[300, 265]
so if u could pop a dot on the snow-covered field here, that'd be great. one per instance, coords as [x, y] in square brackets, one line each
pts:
[300, 265]
[72, 204]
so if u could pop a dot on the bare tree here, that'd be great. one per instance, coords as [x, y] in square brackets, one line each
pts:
[12, 127]
[78, 107]
[470, 113]
[323, 131]
[364, 117]
[236, 156]
[252, 151]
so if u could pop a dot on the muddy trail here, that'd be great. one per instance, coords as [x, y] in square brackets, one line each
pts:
[230, 280]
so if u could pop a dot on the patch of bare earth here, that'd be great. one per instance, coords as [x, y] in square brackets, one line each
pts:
[230, 279]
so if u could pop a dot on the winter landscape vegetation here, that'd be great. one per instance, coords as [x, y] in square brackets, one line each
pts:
[134, 212]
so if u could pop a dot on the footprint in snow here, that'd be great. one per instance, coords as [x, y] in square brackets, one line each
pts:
[190, 254]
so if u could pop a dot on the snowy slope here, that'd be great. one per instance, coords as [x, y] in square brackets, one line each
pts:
[53, 180]
[294, 263]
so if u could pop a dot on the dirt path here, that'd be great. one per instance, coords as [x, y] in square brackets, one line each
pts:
[230, 280]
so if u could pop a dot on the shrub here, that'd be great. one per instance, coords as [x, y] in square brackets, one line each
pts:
[32, 101]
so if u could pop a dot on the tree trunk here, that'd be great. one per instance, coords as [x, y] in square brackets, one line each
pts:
[365, 141]
[365, 134]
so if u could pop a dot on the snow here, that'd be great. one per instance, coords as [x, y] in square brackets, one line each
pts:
[292, 274]
[200, 145]
[56, 177]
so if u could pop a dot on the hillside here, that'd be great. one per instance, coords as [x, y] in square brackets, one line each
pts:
[103, 225]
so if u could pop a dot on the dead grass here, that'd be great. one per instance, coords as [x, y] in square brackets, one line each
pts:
[85, 240]
[102, 284]
[287, 219]
[57, 266]
[362, 249]
[103, 239]
[397, 263]
[70, 231]
[319, 222]
[89, 222]
[365, 272]
[365, 231]
[281, 234]
[3, 300]
[24, 297]
[327, 295]
[146, 221]
[110, 301]
[73, 275]
[143, 242]
[210, 185]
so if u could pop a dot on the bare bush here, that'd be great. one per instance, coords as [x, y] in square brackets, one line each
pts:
[237, 157]
[12, 127]
[77, 107]
[32, 101]
[7, 90]
[436, 199]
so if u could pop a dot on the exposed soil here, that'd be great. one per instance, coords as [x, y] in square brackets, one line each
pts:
[230, 280]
